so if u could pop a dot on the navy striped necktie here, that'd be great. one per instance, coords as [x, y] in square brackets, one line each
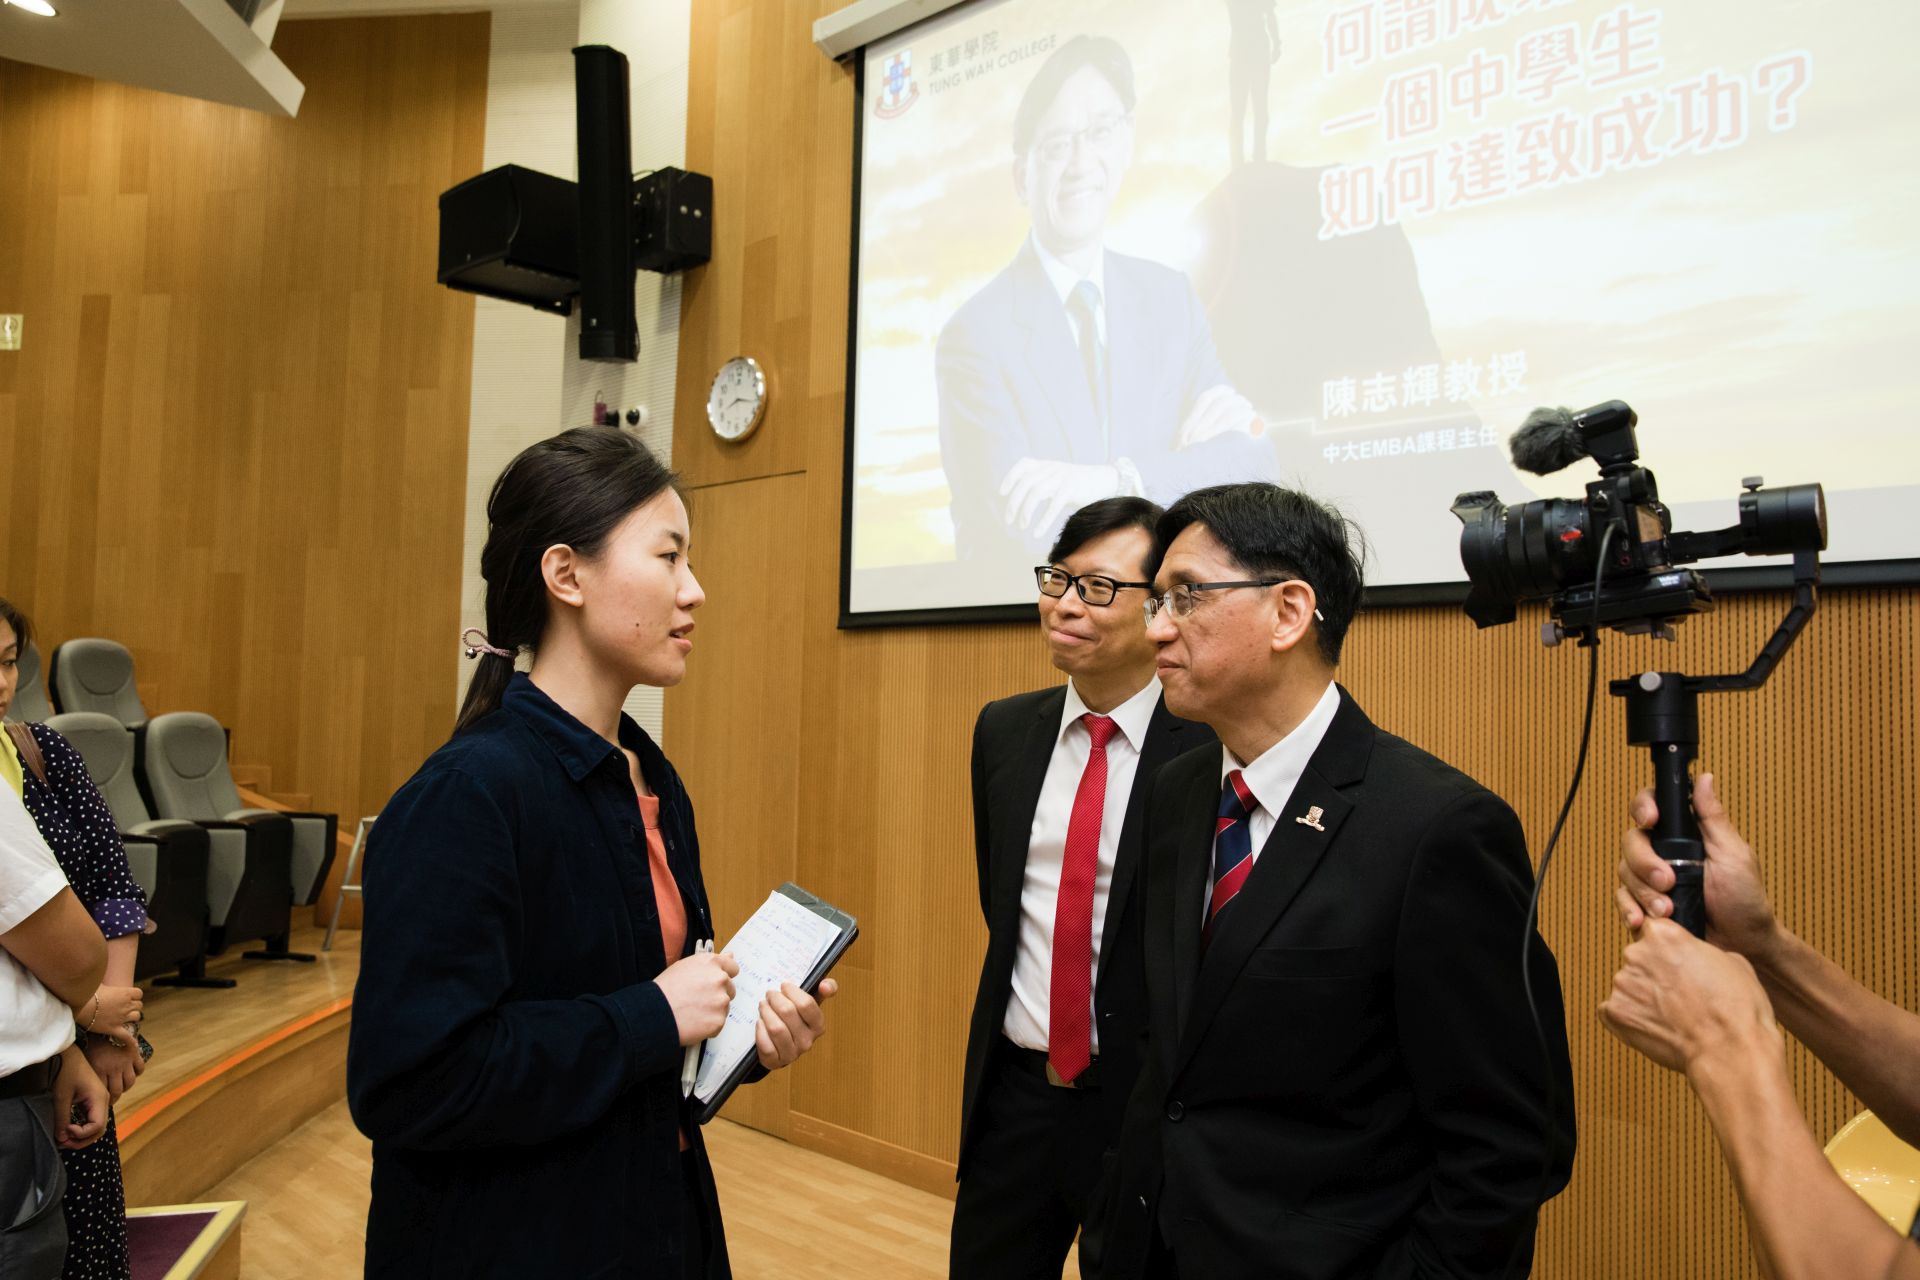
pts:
[1232, 844]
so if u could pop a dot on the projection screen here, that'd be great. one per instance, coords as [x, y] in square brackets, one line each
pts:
[1140, 247]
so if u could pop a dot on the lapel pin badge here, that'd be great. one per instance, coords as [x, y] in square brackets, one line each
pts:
[1312, 819]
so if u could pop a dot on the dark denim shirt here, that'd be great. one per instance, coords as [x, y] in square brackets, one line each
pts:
[511, 1058]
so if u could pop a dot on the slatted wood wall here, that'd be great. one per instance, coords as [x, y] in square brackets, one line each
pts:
[840, 758]
[236, 437]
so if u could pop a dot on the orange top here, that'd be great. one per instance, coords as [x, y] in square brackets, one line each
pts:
[666, 891]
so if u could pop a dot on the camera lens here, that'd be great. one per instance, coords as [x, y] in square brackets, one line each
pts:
[1546, 545]
[1519, 553]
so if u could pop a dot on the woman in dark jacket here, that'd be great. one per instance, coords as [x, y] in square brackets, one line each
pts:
[77, 826]
[528, 978]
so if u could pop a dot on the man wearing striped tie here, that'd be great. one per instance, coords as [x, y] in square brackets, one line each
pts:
[1342, 1077]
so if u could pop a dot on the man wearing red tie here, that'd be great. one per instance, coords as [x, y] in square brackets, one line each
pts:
[1058, 779]
[1341, 1077]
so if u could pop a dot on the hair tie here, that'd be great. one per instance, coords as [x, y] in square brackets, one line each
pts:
[476, 648]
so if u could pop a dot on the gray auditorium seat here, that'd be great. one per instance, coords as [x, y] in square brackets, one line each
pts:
[250, 873]
[30, 705]
[96, 675]
[168, 857]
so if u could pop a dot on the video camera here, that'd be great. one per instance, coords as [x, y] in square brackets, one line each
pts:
[1548, 549]
[1614, 560]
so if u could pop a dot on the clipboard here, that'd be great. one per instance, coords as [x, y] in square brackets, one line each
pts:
[847, 929]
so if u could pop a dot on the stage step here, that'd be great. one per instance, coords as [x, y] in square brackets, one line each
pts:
[186, 1241]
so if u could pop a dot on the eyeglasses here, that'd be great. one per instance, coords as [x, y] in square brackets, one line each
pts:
[1056, 148]
[1094, 588]
[1183, 599]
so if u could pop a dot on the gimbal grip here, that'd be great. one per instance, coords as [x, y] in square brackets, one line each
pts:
[1676, 834]
[1689, 897]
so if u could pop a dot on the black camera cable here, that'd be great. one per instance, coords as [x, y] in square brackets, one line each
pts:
[1549, 1136]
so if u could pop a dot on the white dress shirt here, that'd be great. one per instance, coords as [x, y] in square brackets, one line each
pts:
[1274, 775]
[1026, 1021]
[34, 1024]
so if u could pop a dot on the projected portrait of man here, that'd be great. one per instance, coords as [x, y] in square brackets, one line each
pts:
[1078, 373]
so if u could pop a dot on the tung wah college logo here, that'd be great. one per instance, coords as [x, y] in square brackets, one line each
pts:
[897, 89]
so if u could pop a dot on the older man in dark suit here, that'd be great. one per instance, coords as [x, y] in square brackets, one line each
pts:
[1059, 775]
[1342, 1077]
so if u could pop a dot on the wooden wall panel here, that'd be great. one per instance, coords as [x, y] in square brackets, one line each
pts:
[745, 783]
[1819, 765]
[236, 437]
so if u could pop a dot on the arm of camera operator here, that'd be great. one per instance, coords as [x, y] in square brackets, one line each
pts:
[1699, 1010]
[1869, 1043]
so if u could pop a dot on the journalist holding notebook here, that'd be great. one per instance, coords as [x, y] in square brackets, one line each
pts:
[533, 906]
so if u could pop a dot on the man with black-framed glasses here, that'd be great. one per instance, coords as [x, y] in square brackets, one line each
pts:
[1058, 778]
[1341, 1077]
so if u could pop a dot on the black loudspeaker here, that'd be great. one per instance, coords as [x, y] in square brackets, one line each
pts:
[608, 328]
[672, 220]
[510, 233]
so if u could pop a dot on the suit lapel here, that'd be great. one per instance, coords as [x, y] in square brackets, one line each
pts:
[1014, 820]
[1287, 861]
[1054, 361]
[1135, 355]
[1164, 741]
[1194, 864]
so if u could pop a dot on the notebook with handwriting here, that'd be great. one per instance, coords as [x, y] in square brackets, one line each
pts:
[793, 937]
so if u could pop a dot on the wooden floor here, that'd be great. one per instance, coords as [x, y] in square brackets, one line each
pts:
[307, 1195]
[306, 1202]
[808, 1217]
[192, 1029]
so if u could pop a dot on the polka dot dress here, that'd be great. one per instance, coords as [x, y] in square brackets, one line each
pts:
[78, 827]
[96, 1205]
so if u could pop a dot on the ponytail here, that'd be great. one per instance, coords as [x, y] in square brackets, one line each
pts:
[484, 691]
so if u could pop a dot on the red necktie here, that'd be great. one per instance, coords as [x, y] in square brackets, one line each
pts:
[1070, 1000]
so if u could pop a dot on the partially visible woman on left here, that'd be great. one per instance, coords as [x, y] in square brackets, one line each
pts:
[48, 774]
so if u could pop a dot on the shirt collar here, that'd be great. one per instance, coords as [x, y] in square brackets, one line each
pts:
[1273, 776]
[1063, 277]
[579, 749]
[1132, 716]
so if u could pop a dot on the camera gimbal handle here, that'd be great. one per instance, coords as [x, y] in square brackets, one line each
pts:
[1663, 715]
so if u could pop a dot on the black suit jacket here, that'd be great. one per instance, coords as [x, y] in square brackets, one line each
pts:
[1013, 742]
[1345, 1082]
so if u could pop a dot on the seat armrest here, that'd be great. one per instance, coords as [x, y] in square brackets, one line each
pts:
[250, 818]
[154, 828]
